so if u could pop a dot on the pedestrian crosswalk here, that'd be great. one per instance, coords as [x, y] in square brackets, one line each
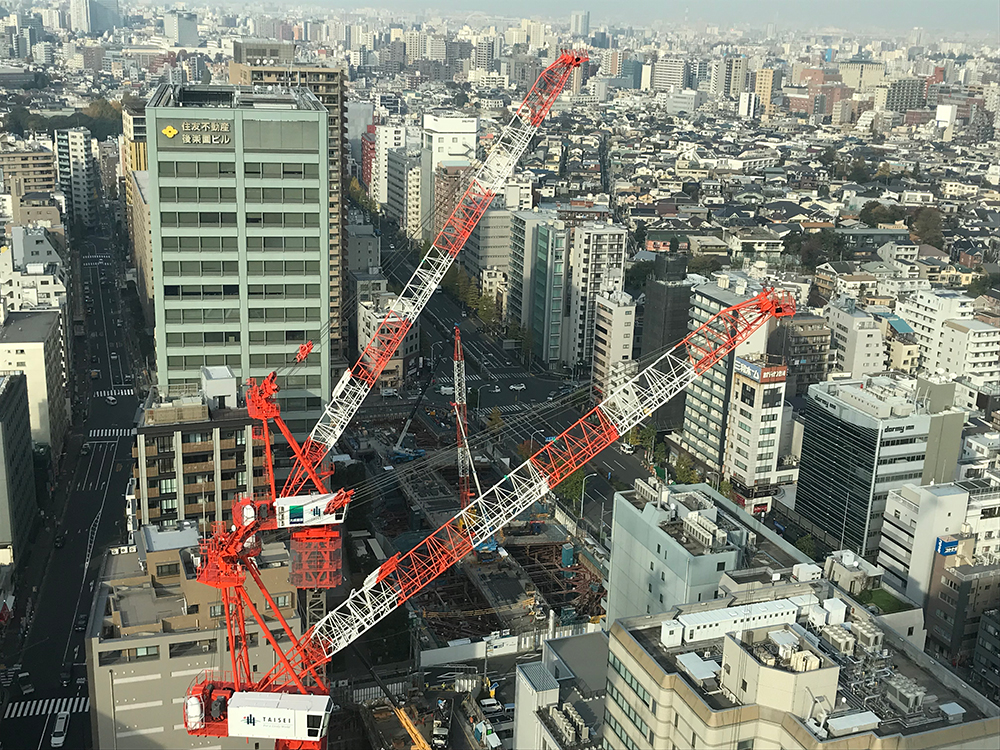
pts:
[45, 706]
[507, 408]
[469, 377]
[112, 432]
[116, 392]
[7, 677]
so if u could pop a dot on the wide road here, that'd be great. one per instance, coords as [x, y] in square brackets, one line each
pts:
[528, 414]
[92, 518]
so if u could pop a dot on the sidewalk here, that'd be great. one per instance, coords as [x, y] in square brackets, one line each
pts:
[29, 578]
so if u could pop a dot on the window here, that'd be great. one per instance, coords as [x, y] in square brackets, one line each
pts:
[215, 610]
[629, 679]
[169, 569]
[720, 566]
[743, 685]
[283, 600]
[147, 653]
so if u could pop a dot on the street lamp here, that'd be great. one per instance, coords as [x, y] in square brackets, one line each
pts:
[583, 490]
[479, 396]
[718, 479]
[532, 436]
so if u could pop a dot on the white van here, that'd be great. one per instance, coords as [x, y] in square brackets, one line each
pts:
[447, 390]
[389, 393]
[628, 449]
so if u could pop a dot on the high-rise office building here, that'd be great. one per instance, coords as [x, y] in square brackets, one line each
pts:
[329, 84]
[181, 29]
[94, 16]
[863, 438]
[489, 243]
[579, 23]
[260, 282]
[669, 74]
[77, 176]
[18, 510]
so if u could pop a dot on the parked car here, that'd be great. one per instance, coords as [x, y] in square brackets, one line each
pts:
[81, 622]
[24, 682]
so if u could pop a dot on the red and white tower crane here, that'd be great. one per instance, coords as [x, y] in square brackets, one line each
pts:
[461, 424]
[290, 702]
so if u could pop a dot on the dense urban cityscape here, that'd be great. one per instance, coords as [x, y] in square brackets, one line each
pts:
[500, 377]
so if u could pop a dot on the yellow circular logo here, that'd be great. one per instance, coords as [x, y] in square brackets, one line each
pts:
[170, 131]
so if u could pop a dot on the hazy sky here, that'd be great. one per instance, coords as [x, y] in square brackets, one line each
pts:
[961, 15]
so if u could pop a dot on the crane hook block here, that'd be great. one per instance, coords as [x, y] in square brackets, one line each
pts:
[304, 351]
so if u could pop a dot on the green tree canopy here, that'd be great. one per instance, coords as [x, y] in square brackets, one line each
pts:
[927, 226]
[704, 265]
[494, 422]
[637, 276]
[807, 545]
[684, 471]
[874, 213]
[983, 284]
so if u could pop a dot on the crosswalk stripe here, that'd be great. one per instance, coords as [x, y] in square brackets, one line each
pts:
[46, 706]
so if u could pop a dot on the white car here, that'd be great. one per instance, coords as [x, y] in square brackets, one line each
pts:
[517, 386]
[114, 355]
[111, 400]
[59, 730]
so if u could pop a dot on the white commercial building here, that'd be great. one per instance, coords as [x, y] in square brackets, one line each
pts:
[32, 343]
[753, 463]
[671, 544]
[489, 243]
[916, 516]
[371, 315]
[856, 341]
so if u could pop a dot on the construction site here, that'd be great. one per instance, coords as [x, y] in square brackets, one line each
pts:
[456, 549]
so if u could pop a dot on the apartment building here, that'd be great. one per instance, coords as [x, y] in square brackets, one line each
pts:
[926, 313]
[614, 334]
[18, 509]
[134, 155]
[915, 516]
[328, 83]
[449, 182]
[260, 159]
[375, 147]
[743, 673]
[32, 274]
[194, 455]
[970, 349]
[753, 462]
[33, 344]
[403, 191]
[863, 438]
[597, 264]
[140, 231]
[856, 344]
[153, 629]
[707, 404]
[27, 167]
[78, 177]
[363, 250]
[804, 342]
[673, 543]
[986, 659]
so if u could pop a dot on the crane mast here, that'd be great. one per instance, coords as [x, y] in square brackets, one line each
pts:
[500, 162]
[461, 424]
